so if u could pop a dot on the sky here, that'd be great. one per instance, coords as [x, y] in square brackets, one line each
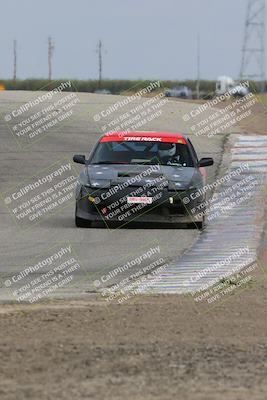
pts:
[148, 39]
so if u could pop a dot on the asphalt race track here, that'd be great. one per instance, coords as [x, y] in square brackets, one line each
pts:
[98, 248]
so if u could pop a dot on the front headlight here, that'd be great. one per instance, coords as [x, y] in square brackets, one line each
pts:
[82, 182]
[176, 186]
[81, 188]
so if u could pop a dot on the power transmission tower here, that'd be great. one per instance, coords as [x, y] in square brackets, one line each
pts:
[253, 51]
[100, 62]
[51, 48]
[15, 61]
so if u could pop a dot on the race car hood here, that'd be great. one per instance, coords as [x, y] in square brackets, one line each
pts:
[103, 176]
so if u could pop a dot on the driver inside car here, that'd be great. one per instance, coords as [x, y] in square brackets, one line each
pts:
[167, 154]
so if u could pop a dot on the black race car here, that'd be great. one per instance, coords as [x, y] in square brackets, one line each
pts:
[141, 176]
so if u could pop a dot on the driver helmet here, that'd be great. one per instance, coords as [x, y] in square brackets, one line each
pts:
[167, 149]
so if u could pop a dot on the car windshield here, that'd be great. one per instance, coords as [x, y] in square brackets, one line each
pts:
[142, 152]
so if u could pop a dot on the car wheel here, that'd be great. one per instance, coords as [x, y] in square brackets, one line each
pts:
[197, 225]
[82, 223]
[201, 225]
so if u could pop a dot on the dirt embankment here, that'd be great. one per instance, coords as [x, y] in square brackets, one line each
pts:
[159, 347]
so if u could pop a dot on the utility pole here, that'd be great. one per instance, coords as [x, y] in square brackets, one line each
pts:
[198, 68]
[51, 48]
[14, 61]
[100, 62]
[253, 50]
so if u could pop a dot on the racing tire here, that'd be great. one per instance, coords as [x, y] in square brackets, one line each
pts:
[80, 222]
[200, 225]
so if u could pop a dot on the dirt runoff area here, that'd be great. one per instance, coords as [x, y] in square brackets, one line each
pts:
[151, 348]
[161, 347]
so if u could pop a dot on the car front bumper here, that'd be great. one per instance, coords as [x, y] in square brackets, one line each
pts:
[167, 206]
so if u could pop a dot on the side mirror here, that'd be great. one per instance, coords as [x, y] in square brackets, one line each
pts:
[205, 162]
[78, 158]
